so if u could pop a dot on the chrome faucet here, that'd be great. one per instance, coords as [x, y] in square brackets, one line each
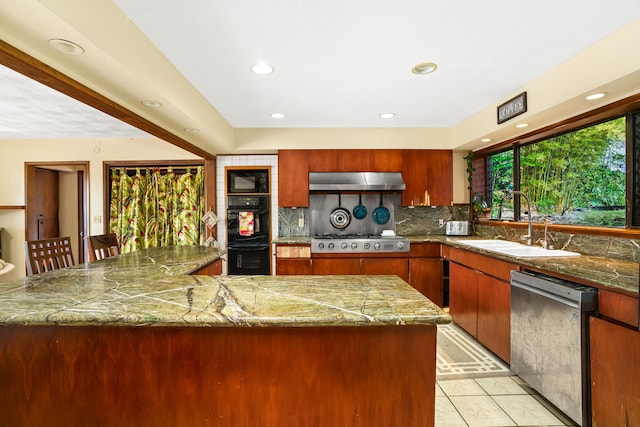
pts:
[545, 241]
[529, 235]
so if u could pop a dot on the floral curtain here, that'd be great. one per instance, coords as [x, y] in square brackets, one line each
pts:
[157, 207]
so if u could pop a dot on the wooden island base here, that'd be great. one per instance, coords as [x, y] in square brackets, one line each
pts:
[229, 376]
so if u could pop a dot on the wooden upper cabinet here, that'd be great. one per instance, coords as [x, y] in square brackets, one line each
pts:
[323, 160]
[428, 174]
[414, 165]
[293, 178]
[440, 177]
[355, 161]
[350, 160]
[429, 177]
[386, 160]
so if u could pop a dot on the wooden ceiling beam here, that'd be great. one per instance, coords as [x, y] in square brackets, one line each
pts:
[37, 70]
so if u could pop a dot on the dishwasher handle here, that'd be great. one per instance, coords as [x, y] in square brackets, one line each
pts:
[544, 294]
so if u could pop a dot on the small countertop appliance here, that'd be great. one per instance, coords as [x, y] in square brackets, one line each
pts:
[458, 228]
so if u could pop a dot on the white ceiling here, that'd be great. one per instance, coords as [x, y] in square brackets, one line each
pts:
[31, 110]
[338, 63]
[341, 63]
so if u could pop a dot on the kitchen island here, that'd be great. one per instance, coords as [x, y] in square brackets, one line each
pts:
[135, 341]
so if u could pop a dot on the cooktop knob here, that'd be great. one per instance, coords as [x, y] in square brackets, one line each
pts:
[376, 246]
[343, 245]
[331, 245]
[354, 245]
[320, 245]
[367, 245]
[400, 245]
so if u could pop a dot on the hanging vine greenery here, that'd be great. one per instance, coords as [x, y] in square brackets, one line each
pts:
[470, 169]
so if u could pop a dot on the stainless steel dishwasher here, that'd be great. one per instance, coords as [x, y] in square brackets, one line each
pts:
[550, 340]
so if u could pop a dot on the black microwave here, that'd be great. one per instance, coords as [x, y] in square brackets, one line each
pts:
[247, 181]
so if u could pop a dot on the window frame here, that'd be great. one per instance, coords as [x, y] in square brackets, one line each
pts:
[624, 107]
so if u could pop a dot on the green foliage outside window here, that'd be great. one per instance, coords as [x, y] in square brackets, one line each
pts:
[574, 178]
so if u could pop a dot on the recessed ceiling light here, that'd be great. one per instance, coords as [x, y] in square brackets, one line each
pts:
[278, 115]
[262, 68]
[151, 103]
[594, 96]
[424, 68]
[65, 46]
[522, 125]
[485, 140]
[387, 115]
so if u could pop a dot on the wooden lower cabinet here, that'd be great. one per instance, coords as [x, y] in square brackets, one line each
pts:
[293, 267]
[463, 297]
[481, 305]
[369, 265]
[396, 266]
[422, 268]
[293, 260]
[618, 307]
[426, 270]
[337, 266]
[615, 374]
[494, 315]
[425, 274]
[213, 269]
[225, 376]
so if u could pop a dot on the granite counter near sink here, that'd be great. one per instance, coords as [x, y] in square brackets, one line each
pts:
[606, 273]
[133, 340]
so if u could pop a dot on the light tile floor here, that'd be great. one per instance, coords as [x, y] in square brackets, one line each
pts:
[494, 401]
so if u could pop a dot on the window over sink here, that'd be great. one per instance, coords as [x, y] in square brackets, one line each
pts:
[582, 177]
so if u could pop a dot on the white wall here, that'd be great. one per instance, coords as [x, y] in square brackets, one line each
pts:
[14, 153]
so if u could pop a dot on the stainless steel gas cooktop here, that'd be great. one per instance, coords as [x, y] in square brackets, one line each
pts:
[358, 243]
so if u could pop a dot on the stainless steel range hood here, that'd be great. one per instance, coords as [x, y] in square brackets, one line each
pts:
[356, 181]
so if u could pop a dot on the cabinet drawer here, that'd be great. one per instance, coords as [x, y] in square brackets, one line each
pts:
[618, 307]
[491, 266]
[293, 251]
[424, 250]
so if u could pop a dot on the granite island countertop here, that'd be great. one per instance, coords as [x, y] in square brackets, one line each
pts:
[151, 288]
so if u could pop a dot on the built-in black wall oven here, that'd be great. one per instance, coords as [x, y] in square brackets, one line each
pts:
[248, 222]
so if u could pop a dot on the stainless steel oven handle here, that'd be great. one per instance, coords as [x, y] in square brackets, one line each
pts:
[548, 295]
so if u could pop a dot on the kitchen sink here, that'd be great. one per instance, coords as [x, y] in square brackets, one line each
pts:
[486, 244]
[517, 250]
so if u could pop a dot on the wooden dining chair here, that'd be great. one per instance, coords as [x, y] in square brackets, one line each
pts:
[48, 254]
[103, 246]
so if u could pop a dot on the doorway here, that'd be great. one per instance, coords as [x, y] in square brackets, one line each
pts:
[57, 202]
